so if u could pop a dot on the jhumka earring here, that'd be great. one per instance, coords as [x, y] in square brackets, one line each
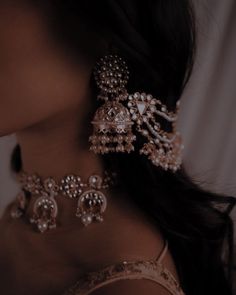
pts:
[112, 122]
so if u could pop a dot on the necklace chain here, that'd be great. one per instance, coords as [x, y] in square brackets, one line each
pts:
[70, 185]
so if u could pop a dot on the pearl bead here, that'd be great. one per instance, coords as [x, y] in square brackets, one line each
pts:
[87, 219]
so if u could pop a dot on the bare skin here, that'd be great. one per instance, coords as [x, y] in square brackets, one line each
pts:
[51, 96]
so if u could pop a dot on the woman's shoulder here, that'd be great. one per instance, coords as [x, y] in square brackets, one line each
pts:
[126, 235]
[127, 248]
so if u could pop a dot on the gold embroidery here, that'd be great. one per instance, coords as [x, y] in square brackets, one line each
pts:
[140, 269]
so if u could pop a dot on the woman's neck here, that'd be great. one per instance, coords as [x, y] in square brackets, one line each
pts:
[58, 147]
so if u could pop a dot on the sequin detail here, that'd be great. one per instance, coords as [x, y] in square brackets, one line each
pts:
[139, 269]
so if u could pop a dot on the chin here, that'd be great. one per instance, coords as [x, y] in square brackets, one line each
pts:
[12, 128]
[6, 132]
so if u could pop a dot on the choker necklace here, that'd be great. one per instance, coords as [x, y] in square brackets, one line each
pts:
[91, 203]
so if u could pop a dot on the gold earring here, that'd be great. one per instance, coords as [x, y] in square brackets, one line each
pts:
[112, 122]
[163, 148]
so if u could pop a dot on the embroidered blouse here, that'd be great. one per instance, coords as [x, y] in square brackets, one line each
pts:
[138, 269]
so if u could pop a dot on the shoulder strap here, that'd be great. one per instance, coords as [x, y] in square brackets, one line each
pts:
[163, 252]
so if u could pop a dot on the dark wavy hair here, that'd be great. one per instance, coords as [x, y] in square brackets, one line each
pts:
[157, 39]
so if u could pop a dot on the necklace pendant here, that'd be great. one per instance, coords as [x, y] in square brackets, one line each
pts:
[91, 205]
[45, 211]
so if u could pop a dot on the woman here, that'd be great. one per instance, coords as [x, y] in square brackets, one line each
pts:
[156, 226]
